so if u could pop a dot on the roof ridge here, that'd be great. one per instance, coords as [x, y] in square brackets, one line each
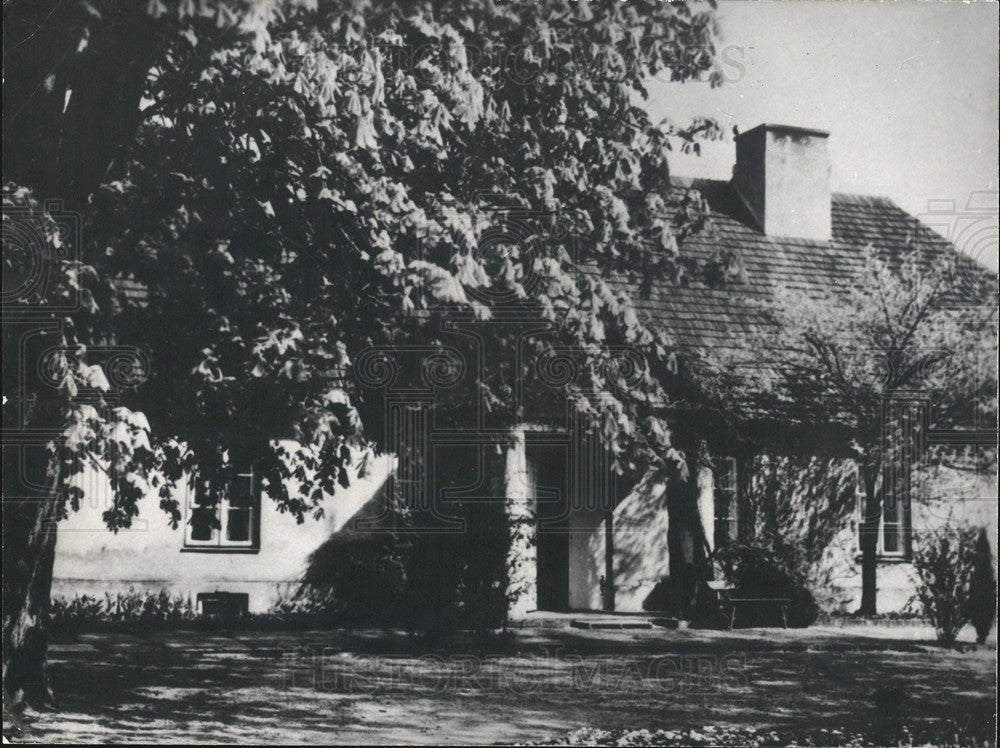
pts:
[859, 198]
[865, 199]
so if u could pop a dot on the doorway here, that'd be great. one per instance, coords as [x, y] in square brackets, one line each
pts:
[549, 467]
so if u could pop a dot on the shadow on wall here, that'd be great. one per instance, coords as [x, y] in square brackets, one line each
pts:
[428, 569]
[811, 504]
[641, 545]
[358, 571]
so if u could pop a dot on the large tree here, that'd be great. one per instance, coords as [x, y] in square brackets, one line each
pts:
[286, 186]
[908, 347]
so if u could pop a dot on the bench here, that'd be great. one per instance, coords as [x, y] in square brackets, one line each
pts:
[731, 604]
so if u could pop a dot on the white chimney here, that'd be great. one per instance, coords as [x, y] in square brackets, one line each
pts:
[782, 174]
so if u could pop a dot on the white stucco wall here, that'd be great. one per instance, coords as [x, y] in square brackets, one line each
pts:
[91, 560]
[896, 578]
[641, 552]
[586, 559]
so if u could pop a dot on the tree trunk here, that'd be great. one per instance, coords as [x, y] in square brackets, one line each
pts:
[608, 593]
[29, 544]
[689, 547]
[32, 505]
[73, 77]
[869, 541]
[746, 510]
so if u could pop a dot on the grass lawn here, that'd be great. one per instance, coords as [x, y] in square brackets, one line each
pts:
[832, 686]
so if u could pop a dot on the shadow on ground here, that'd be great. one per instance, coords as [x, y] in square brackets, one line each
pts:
[811, 686]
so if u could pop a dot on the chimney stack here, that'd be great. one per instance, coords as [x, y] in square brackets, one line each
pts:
[782, 174]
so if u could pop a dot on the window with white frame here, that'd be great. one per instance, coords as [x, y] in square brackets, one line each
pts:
[231, 523]
[725, 501]
[894, 529]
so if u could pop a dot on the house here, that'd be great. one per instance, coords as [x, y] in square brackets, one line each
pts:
[589, 542]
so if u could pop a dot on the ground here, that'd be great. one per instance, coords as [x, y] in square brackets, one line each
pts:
[823, 685]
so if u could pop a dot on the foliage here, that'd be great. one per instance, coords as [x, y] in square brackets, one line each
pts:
[947, 734]
[73, 396]
[359, 577]
[982, 603]
[287, 186]
[805, 501]
[303, 185]
[403, 571]
[768, 566]
[306, 601]
[944, 560]
[132, 606]
[917, 322]
[915, 326]
[337, 195]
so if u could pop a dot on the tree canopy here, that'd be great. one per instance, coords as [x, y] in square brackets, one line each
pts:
[305, 182]
[922, 323]
[909, 347]
[264, 195]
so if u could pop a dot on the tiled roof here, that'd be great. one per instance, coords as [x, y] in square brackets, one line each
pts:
[698, 315]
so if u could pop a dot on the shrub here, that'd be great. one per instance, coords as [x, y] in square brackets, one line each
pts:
[943, 560]
[306, 602]
[357, 577]
[983, 589]
[130, 607]
[405, 571]
[767, 568]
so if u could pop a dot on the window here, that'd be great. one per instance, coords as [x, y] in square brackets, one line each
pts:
[895, 526]
[725, 501]
[903, 432]
[240, 510]
[233, 524]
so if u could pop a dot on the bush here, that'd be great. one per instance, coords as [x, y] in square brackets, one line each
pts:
[944, 560]
[404, 570]
[354, 577]
[429, 582]
[983, 590]
[306, 603]
[767, 568]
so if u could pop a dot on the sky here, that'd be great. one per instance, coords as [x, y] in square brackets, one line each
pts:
[908, 91]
